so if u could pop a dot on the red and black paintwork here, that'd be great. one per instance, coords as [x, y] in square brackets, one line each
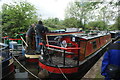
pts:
[36, 59]
[32, 60]
[87, 50]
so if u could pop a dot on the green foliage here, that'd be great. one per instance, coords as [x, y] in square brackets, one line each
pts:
[17, 17]
[80, 11]
[53, 23]
[116, 26]
[101, 25]
[71, 22]
[117, 23]
[101, 13]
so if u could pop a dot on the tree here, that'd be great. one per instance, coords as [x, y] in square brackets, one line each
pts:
[17, 17]
[80, 10]
[86, 12]
[97, 25]
[71, 22]
[116, 26]
[117, 22]
[53, 23]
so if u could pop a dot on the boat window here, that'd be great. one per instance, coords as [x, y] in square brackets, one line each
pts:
[94, 44]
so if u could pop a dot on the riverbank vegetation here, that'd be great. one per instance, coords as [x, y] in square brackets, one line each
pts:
[17, 17]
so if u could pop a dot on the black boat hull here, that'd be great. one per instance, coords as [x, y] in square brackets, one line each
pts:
[7, 68]
[83, 68]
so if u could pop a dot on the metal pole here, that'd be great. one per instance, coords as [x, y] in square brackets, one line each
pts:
[64, 58]
[78, 52]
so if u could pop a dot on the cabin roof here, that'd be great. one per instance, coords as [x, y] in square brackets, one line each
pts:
[89, 36]
[84, 35]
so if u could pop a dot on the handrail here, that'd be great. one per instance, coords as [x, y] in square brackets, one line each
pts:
[78, 48]
[64, 33]
[5, 37]
[14, 39]
[63, 47]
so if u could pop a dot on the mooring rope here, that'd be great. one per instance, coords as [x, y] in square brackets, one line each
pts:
[62, 73]
[26, 69]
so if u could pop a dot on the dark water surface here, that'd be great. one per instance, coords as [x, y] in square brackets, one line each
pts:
[20, 73]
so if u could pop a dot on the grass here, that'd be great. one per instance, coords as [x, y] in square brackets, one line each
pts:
[98, 74]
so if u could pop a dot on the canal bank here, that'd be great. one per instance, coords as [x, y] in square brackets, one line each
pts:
[95, 72]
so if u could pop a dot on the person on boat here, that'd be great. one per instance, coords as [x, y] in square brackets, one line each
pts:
[30, 39]
[46, 30]
[39, 29]
[111, 62]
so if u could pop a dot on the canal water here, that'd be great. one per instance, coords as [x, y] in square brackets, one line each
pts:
[20, 72]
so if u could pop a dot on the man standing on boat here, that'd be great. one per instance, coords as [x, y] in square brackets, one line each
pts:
[111, 62]
[30, 39]
[46, 30]
[39, 34]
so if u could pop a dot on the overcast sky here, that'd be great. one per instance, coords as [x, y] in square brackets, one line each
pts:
[49, 8]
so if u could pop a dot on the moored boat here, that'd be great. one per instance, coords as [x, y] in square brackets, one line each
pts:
[7, 61]
[72, 55]
[115, 35]
[32, 56]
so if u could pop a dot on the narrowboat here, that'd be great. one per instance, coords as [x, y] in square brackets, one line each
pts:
[72, 55]
[32, 56]
[7, 61]
[114, 35]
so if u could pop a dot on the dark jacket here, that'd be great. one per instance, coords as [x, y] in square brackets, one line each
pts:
[46, 30]
[39, 29]
[30, 32]
[112, 56]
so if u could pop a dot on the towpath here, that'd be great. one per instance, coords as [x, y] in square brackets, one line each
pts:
[94, 72]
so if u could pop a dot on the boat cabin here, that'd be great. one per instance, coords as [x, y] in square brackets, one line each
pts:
[78, 44]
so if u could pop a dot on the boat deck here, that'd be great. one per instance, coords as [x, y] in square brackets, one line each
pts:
[59, 61]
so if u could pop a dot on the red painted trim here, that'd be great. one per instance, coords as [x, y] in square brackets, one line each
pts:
[57, 70]
[5, 36]
[12, 67]
[41, 43]
[32, 60]
[62, 47]
[14, 39]
[21, 32]
[62, 33]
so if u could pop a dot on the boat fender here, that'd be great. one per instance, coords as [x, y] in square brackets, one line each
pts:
[21, 58]
[43, 74]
